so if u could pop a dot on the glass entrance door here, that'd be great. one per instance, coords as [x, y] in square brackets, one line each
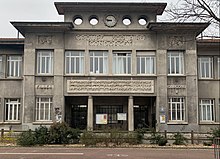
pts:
[79, 116]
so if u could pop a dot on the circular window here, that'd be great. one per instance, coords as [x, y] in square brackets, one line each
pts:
[126, 21]
[93, 21]
[78, 21]
[142, 21]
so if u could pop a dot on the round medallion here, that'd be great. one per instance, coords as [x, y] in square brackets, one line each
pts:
[110, 21]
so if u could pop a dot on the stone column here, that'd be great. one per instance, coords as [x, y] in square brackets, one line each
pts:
[90, 114]
[130, 114]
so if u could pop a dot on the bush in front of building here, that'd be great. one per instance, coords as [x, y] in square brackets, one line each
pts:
[157, 139]
[26, 138]
[179, 139]
[61, 133]
[41, 135]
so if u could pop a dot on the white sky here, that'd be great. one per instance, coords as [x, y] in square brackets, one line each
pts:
[39, 10]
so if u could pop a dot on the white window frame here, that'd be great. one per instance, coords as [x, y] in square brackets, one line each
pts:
[14, 65]
[121, 62]
[148, 61]
[98, 63]
[218, 67]
[180, 108]
[47, 109]
[74, 62]
[202, 65]
[44, 62]
[177, 67]
[206, 105]
[12, 110]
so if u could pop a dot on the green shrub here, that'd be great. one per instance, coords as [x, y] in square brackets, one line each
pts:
[61, 133]
[26, 138]
[41, 135]
[215, 133]
[140, 135]
[89, 138]
[155, 138]
[9, 137]
[162, 141]
[179, 139]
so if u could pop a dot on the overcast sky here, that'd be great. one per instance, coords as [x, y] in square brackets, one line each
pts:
[39, 10]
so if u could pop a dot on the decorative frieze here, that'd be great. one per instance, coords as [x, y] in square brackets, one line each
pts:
[44, 39]
[110, 86]
[176, 86]
[175, 41]
[44, 86]
[109, 40]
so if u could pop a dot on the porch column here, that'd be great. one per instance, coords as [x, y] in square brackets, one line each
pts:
[130, 114]
[90, 114]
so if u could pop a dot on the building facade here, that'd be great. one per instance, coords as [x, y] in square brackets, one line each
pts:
[110, 65]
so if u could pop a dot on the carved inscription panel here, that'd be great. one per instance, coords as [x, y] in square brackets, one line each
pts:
[110, 40]
[110, 86]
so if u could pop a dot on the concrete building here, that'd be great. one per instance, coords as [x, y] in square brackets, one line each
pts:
[110, 65]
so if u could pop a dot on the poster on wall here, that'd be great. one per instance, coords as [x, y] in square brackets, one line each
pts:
[121, 116]
[101, 119]
[162, 119]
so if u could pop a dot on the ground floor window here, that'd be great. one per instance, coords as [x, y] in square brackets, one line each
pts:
[176, 109]
[12, 109]
[43, 109]
[206, 109]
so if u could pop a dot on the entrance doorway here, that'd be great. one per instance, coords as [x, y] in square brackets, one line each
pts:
[144, 112]
[76, 112]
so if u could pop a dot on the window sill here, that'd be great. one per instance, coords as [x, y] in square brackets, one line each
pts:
[42, 123]
[208, 79]
[173, 75]
[177, 123]
[209, 123]
[14, 79]
[44, 75]
[11, 123]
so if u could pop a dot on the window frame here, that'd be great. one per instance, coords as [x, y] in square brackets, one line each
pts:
[152, 59]
[71, 58]
[212, 110]
[218, 63]
[14, 66]
[15, 115]
[181, 62]
[49, 66]
[210, 67]
[1, 66]
[117, 55]
[96, 59]
[48, 111]
[182, 109]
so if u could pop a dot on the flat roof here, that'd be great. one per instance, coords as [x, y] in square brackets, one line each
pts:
[63, 7]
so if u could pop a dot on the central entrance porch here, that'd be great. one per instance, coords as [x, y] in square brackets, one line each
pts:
[110, 112]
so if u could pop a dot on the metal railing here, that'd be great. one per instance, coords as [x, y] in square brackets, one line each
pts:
[217, 148]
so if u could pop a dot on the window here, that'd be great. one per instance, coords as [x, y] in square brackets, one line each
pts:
[43, 109]
[146, 63]
[219, 67]
[205, 67]
[74, 62]
[206, 109]
[12, 109]
[45, 62]
[14, 66]
[98, 62]
[122, 63]
[175, 63]
[176, 109]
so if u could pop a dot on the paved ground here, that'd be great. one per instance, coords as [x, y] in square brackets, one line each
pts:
[103, 153]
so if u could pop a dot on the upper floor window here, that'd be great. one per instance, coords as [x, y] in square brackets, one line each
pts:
[98, 62]
[14, 65]
[206, 110]
[122, 62]
[45, 62]
[205, 67]
[219, 67]
[74, 62]
[43, 109]
[176, 109]
[175, 63]
[146, 63]
[12, 109]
